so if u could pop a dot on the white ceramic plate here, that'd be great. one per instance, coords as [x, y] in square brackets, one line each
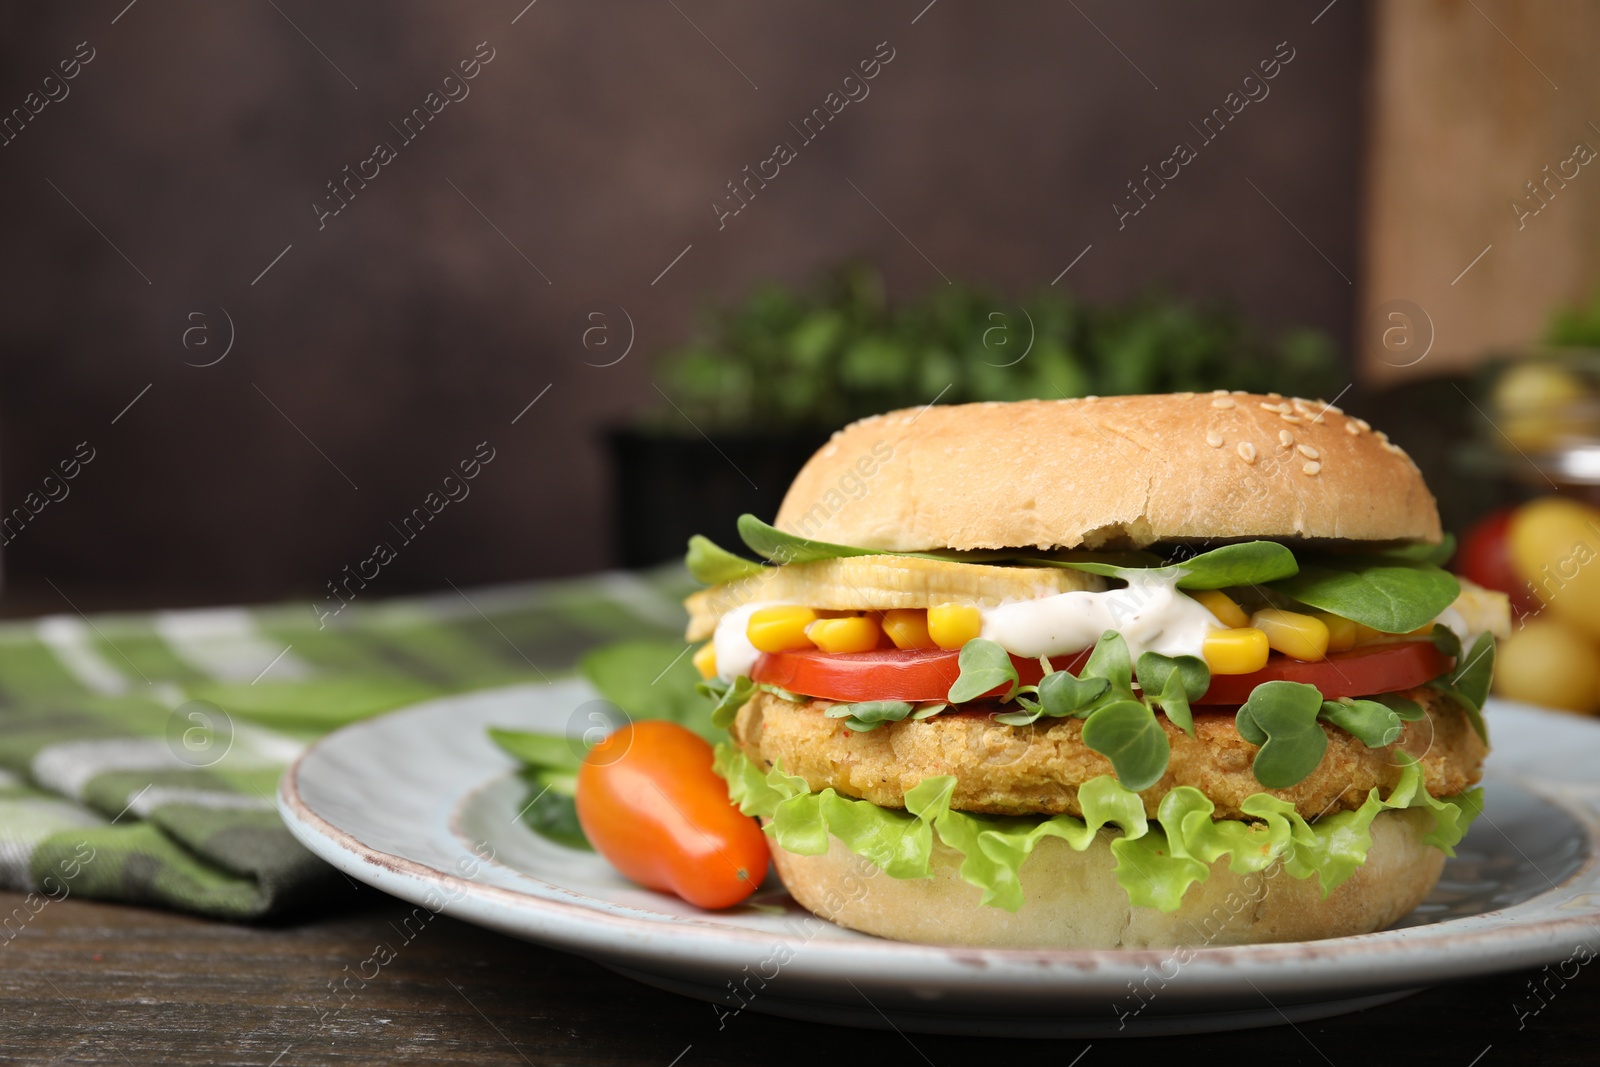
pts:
[420, 804]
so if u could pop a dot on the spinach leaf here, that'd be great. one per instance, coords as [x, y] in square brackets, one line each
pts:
[551, 773]
[869, 714]
[734, 698]
[1281, 717]
[1248, 563]
[1374, 723]
[1468, 682]
[547, 751]
[774, 544]
[1473, 674]
[550, 810]
[928, 711]
[1408, 710]
[1422, 552]
[650, 680]
[712, 564]
[1386, 594]
[779, 547]
[984, 666]
[1126, 733]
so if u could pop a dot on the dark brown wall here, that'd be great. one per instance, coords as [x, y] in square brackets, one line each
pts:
[408, 330]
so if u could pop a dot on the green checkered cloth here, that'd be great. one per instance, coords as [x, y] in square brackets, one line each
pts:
[140, 754]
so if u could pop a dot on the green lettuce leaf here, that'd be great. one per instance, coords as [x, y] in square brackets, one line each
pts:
[1156, 863]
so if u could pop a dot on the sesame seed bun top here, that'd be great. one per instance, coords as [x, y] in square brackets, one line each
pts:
[1109, 472]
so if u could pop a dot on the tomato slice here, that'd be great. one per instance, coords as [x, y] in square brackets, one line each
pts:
[883, 674]
[928, 674]
[1358, 672]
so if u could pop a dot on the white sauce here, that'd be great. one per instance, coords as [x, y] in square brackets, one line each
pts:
[1456, 621]
[1150, 613]
[735, 654]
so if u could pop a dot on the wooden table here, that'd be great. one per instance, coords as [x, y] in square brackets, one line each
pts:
[88, 983]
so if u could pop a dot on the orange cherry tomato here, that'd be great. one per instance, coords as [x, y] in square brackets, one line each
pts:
[650, 803]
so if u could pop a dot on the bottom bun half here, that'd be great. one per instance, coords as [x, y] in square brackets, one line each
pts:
[1073, 899]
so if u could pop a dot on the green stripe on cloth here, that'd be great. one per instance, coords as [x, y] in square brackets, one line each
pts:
[29, 670]
[133, 647]
[139, 755]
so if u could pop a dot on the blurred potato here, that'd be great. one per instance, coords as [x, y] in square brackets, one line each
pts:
[1555, 544]
[1539, 405]
[1549, 664]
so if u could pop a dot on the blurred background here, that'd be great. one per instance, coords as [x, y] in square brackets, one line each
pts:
[277, 276]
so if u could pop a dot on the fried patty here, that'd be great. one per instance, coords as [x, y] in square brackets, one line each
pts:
[1032, 770]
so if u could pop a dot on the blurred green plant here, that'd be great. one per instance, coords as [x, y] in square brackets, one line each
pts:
[1575, 325]
[785, 359]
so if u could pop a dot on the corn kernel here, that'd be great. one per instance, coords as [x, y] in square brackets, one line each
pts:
[705, 660]
[1222, 606]
[1342, 633]
[857, 634]
[907, 628]
[1241, 650]
[781, 629]
[1295, 635]
[953, 625]
[1366, 635]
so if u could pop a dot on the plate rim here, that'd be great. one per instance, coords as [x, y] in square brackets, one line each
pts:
[587, 930]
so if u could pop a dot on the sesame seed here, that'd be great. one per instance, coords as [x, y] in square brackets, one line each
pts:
[1222, 402]
[1334, 410]
[1289, 418]
[1219, 392]
[1352, 429]
[1214, 439]
[1309, 452]
[1364, 424]
[1312, 467]
[1247, 451]
[1268, 407]
[1380, 435]
[1185, 396]
[1275, 396]
[1090, 397]
[1239, 392]
[1285, 438]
